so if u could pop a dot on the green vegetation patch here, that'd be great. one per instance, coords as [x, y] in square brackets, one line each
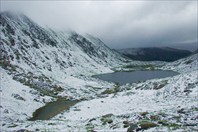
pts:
[89, 127]
[115, 89]
[146, 125]
[106, 119]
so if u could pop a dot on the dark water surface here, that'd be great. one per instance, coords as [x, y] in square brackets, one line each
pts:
[134, 76]
[52, 109]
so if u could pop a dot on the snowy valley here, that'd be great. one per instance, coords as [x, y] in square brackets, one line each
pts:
[40, 65]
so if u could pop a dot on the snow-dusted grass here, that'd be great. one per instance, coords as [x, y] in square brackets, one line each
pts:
[169, 97]
[128, 103]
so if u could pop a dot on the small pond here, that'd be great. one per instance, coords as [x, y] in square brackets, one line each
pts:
[52, 109]
[134, 76]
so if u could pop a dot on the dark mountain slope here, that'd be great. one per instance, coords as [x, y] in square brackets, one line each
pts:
[155, 54]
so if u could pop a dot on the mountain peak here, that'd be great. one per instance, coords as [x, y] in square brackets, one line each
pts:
[13, 15]
[15, 18]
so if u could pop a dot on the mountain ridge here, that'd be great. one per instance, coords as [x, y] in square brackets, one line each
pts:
[155, 53]
[38, 37]
[45, 59]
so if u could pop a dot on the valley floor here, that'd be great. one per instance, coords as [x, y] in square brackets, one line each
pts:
[168, 104]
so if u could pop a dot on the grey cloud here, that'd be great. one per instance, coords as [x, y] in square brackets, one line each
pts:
[119, 24]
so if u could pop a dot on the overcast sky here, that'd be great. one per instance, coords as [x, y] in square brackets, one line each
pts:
[119, 24]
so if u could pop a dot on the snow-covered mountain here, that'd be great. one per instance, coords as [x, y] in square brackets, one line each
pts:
[51, 62]
[34, 48]
[42, 58]
[40, 65]
[183, 65]
[155, 53]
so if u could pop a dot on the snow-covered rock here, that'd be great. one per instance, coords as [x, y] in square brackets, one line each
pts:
[184, 65]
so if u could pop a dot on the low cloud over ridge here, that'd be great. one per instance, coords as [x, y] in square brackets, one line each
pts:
[119, 24]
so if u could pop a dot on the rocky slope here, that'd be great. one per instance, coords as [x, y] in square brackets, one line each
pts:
[44, 59]
[184, 65]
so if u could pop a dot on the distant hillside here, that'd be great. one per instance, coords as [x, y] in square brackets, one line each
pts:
[155, 53]
[196, 51]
